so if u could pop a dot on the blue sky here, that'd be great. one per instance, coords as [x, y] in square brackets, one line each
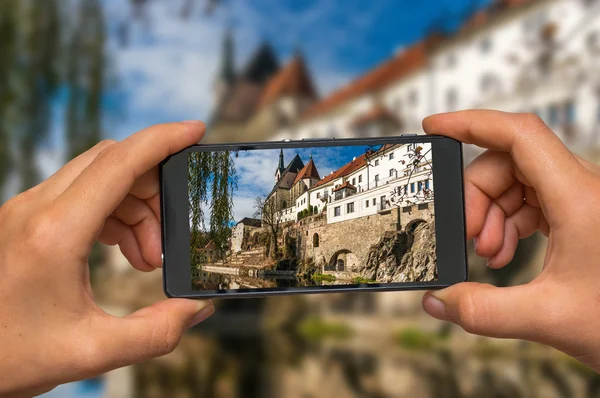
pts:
[166, 73]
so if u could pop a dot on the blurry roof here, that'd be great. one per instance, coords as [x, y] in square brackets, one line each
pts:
[262, 65]
[375, 114]
[399, 66]
[293, 79]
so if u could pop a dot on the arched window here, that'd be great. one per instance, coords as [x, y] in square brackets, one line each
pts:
[284, 204]
[340, 265]
[316, 240]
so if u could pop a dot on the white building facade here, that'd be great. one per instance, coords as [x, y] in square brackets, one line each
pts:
[538, 56]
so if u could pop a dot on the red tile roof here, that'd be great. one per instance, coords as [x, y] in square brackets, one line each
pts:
[399, 66]
[293, 79]
[344, 170]
[308, 171]
[345, 185]
[377, 113]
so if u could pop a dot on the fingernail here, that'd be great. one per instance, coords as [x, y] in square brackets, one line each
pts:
[489, 262]
[434, 307]
[475, 242]
[204, 313]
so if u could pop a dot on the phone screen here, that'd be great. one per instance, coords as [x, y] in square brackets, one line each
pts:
[318, 216]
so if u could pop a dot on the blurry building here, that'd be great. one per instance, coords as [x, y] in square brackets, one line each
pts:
[515, 55]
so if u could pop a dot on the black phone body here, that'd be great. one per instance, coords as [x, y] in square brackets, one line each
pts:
[340, 215]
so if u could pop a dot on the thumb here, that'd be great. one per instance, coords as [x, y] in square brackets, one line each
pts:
[150, 332]
[509, 312]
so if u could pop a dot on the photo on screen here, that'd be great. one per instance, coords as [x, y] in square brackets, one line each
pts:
[301, 217]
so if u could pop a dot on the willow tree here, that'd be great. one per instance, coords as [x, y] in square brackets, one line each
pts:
[8, 48]
[85, 77]
[212, 181]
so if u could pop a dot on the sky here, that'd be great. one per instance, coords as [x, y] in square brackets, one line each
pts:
[166, 71]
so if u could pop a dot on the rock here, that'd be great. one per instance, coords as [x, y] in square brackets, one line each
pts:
[403, 257]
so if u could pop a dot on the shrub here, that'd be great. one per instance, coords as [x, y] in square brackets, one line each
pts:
[316, 329]
[324, 278]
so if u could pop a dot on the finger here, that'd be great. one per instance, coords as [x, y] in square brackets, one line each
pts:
[59, 181]
[138, 215]
[544, 160]
[115, 232]
[520, 225]
[99, 189]
[511, 312]
[486, 178]
[512, 199]
[492, 234]
[150, 332]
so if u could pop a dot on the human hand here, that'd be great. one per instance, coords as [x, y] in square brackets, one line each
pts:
[527, 180]
[51, 330]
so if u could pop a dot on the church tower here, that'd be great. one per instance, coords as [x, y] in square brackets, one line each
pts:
[226, 76]
[280, 167]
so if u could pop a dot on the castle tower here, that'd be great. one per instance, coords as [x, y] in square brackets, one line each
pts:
[226, 76]
[280, 167]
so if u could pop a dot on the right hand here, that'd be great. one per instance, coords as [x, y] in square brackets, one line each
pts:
[527, 181]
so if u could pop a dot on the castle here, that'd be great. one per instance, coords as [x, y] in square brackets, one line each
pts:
[367, 185]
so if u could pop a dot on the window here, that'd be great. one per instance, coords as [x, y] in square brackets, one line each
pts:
[406, 189]
[318, 195]
[451, 99]
[413, 98]
[423, 206]
[376, 179]
[367, 203]
[336, 211]
[412, 187]
[427, 184]
[489, 84]
[553, 115]
[315, 240]
[350, 208]
[420, 185]
[485, 45]
[354, 181]
[382, 202]
[374, 201]
[392, 171]
[398, 105]
[360, 178]
[406, 209]
[377, 162]
[450, 60]
[569, 112]
[391, 155]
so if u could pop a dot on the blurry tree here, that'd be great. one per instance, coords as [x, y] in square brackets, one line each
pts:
[85, 78]
[185, 9]
[47, 47]
[8, 33]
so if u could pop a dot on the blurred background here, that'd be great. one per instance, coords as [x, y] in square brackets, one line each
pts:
[73, 72]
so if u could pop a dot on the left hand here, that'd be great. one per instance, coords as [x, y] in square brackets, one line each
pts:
[51, 330]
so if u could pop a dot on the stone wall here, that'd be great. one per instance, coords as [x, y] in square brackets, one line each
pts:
[350, 240]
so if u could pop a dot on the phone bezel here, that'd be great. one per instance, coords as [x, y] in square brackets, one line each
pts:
[448, 204]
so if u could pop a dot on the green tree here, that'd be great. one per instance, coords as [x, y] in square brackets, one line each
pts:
[212, 181]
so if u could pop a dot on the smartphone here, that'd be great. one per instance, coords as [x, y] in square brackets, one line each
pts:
[313, 216]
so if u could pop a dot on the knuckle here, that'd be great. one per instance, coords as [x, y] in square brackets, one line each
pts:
[470, 319]
[531, 123]
[104, 144]
[166, 337]
[39, 230]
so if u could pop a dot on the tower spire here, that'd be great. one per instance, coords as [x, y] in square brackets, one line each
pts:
[280, 167]
[227, 72]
